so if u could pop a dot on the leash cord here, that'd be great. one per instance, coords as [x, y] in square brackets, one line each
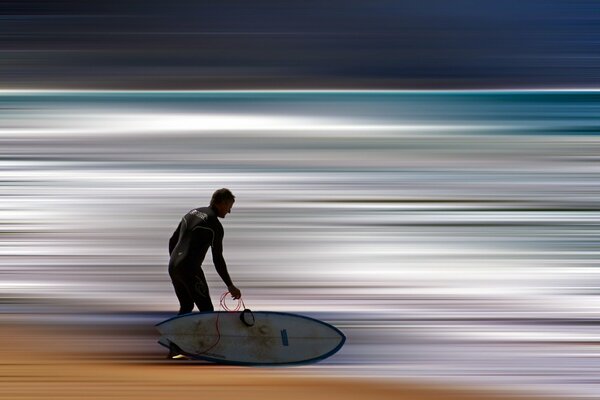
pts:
[223, 304]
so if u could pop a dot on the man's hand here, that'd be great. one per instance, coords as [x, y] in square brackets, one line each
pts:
[235, 292]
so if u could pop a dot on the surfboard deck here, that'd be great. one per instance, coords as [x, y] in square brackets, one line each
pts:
[275, 338]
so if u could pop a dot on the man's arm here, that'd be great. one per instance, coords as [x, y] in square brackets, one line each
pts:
[221, 266]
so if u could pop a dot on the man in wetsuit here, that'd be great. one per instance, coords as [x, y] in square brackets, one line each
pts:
[198, 230]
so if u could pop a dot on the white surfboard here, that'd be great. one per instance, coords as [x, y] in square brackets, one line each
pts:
[274, 338]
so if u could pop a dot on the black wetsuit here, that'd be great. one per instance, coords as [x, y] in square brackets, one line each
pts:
[198, 230]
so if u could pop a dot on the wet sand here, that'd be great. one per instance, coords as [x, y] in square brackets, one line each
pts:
[50, 362]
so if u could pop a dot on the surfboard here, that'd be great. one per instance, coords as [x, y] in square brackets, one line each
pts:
[273, 338]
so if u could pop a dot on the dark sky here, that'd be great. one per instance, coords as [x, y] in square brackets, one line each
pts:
[278, 44]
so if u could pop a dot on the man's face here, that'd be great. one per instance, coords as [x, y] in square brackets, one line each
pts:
[223, 208]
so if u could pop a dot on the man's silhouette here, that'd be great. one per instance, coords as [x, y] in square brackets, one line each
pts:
[198, 230]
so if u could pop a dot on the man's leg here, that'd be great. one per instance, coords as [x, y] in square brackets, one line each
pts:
[200, 292]
[186, 305]
[186, 300]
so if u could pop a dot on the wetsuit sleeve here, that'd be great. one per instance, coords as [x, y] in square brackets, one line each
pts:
[218, 260]
[174, 239]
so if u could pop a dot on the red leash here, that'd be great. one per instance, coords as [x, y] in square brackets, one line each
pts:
[224, 306]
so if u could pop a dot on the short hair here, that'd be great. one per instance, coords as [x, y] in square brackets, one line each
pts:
[221, 196]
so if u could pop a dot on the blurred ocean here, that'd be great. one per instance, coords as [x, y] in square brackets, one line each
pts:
[452, 235]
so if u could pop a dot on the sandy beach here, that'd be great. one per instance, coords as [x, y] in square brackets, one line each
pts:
[51, 363]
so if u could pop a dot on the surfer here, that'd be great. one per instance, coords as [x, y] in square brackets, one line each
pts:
[198, 230]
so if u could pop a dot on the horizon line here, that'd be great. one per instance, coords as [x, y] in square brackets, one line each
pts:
[316, 91]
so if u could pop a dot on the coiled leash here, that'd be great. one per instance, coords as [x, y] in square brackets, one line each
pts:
[246, 316]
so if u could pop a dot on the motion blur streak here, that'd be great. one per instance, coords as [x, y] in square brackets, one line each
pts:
[230, 44]
[451, 235]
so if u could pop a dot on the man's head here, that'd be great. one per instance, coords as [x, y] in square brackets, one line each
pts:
[222, 201]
